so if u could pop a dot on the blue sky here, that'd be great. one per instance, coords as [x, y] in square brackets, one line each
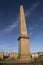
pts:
[9, 24]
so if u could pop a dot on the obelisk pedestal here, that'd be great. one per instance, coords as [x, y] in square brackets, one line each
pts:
[24, 48]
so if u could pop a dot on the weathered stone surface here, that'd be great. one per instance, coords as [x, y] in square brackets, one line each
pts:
[1, 55]
[13, 55]
[23, 30]
[24, 48]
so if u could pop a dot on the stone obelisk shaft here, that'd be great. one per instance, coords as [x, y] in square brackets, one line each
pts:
[23, 29]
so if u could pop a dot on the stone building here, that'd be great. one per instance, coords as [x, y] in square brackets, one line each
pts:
[1, 55]
[34, 55]
[13, 55]
[37, 55]
[40, 54]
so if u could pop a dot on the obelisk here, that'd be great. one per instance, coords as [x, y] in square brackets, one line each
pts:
[24, 48]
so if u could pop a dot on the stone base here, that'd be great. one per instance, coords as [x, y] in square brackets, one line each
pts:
[24, 58]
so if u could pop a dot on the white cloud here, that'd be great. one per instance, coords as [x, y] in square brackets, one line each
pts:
[11, 27]
[32, 28]
[36, 25]
[30, 34]
[29, 12]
